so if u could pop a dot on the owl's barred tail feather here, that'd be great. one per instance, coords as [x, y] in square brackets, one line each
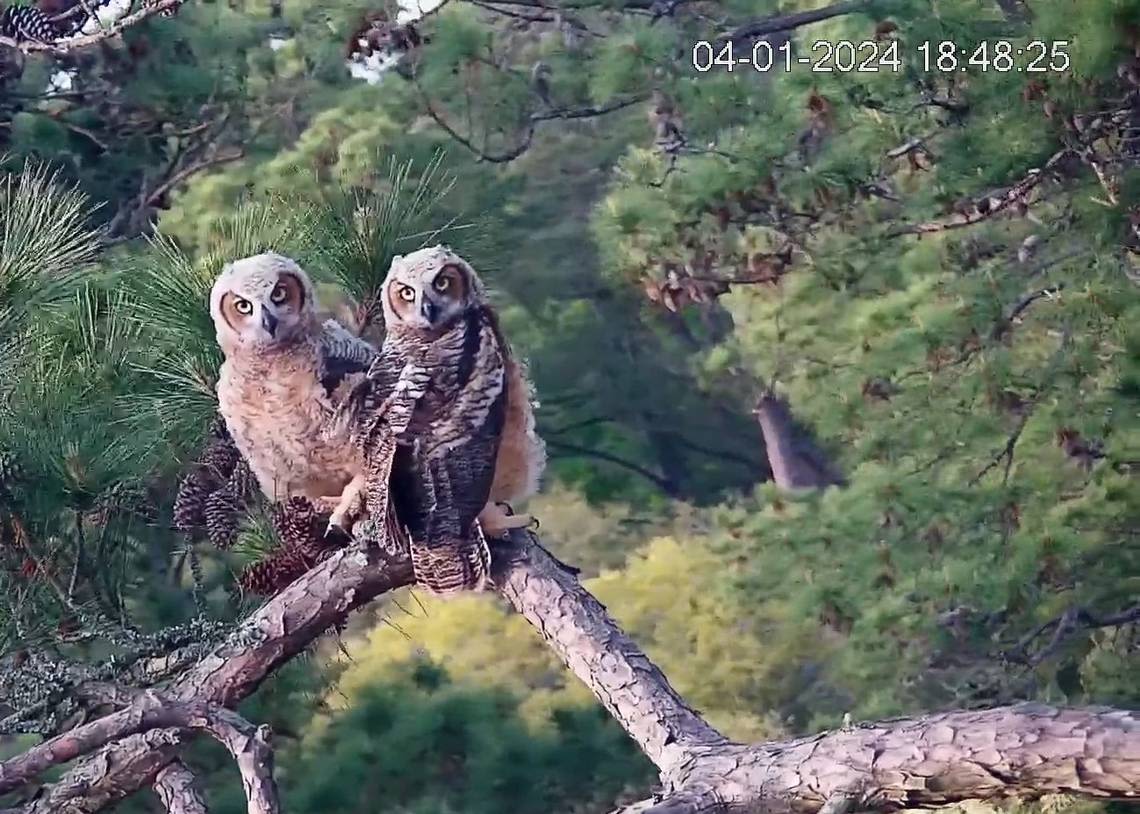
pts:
[453, 566]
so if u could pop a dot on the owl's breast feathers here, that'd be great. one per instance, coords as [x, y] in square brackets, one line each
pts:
[467, 397]
[446, 462]
[279, 411]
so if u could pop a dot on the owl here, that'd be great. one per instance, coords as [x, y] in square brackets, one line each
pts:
[285, 372]
[464, 432]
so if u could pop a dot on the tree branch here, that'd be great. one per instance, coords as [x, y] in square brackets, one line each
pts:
[527, 137]
[76, 43]
[272, 635]
[249, 745]
[576, 450]
[177, 790]
[1072, 621]
[1026, 750]
[1023, 751]
[597, 651]
[986, 207]
[786, 22]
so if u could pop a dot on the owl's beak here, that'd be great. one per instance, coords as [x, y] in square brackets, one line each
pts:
[269, 322]
[429, 310]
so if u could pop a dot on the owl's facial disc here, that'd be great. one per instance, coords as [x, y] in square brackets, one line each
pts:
[269, 315]
[431, 303]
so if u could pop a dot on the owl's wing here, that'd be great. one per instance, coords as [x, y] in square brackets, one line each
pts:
[342, 354]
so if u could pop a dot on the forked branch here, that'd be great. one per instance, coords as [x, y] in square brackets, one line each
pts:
[249, 745]
[1021, 751]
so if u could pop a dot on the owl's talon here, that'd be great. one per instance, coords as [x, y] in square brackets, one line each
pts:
[498, 523]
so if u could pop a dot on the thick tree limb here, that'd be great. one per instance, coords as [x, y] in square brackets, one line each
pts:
[1026, 750]
[796, 461]
[277, 632]
[1023, 751]
[177, 790]
[589, 642]
[249, 745]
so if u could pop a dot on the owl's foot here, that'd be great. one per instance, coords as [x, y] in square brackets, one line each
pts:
[346, 507]
[495, 521]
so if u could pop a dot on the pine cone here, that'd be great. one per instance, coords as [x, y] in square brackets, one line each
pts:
[27, 23]
[219, 457]
[297, 524]
[10, 470]
[275, 572]
[190, 502]
[221, 518]
[242, 485]
[10, 473]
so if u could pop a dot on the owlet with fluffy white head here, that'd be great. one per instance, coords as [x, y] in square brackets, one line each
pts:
[284, 374]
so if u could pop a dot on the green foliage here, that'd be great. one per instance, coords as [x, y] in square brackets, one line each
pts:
[44, 244]
[367, 227]
[414, 740]
[912, 588]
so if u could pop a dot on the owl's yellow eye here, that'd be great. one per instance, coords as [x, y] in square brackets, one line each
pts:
[407, 293]
[441, 283]
[279, 294]
[243, 307]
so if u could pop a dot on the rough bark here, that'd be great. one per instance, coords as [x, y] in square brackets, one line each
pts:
[275, 633]
[1021, 751]
[249, 745]
[589, 642]
[1024, 751]
[177, 790]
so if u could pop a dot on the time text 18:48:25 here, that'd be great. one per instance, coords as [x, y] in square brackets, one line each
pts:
[874, 56]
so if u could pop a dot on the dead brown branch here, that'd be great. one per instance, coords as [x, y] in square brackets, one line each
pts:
[988, 205]
[526, 137]
[199, 149]
[1073, 620]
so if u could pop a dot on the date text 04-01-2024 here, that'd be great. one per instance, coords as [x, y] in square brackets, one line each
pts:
[873, 56]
